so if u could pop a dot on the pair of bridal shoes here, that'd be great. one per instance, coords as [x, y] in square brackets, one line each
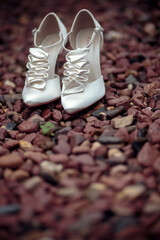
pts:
[82, 82]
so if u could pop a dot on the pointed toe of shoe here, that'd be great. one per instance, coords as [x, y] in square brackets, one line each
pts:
[30, 98]
[69, 104]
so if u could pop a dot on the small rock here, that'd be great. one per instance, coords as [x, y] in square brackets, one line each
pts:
[67, 192]
[80, 149]
[100, 151]
[17, 118]
[109, 139]
[13, 133]
[116, 155]
[131, 192]
[150, 29]
[113, 35]
[35, 156]
[122, 122]
[118, 170]
[27, 127]
[155, 115]
[124, 92]
[50, 171]
[118, 100]
[82, 159]
[63, 146]
[18, 106]
[24, 144]
[3, 151]
[100, 113]
[33, 182]
[63, 130]
[142, 76]
[48, 166]
[150, 89]
[30, 137]
[10, 126]
[156, 97]
[151, 73]
[7, 173]
[123, 134]
[43, 142]
[131, 79]
[9, 83]
[2, 100]
[147, 155]
[151, 208]
[89, 128]
[113, 113]
[95, 145]
[155, 137]
[36, 119]
[76, 139]
[11, 143]
[58, 158]
[10, 209]
[19, 174]
[97, 186]
[46, 114]
[10, 160]
[57, 115]
[3, 133]
[79, 123]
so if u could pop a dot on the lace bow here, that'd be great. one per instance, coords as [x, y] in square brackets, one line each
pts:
[76, 71]
[38, 67]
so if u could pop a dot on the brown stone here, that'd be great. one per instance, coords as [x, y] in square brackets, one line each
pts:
[35, 156]
[116, 156]
[155, 115]
[122, 122]
[30, 137]
[19, 174]
[123, 134]
[10, 143]
[131, 192]
[46, 114]
[150, 89]
[27, 127]
[82, 159]
[3, 133]
[147, 155]
[58, 158]
[3, 150]
[33, 182]
[24, 144]
[10, 160]
[157, 165]
[57, 115]
[118, 170]
[36, 119]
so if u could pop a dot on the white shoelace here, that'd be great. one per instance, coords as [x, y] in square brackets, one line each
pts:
[38, 67]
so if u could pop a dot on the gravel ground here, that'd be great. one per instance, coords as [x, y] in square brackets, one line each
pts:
[94, 175]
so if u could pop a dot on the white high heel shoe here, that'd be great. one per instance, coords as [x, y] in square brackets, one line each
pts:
[42, 85]
[83, 82]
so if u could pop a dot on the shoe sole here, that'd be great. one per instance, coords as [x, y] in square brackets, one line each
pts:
[40, 104]
[86, 107]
